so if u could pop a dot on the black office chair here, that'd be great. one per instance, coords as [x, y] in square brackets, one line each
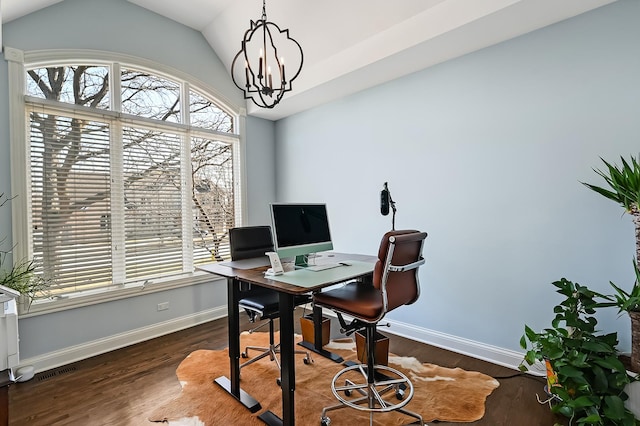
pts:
[260, 303]
[395, 283]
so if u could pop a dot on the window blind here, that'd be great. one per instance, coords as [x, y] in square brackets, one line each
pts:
[153, 203]
[70, 199]
[213, 198]
[132, 193]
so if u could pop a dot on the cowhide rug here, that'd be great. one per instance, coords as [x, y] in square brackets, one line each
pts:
[444, 394]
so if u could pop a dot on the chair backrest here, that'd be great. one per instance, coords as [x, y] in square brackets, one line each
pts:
[250, 241]
[396, 271]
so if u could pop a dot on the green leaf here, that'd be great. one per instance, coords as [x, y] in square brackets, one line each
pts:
[597, 347]
[600, 381]
[593, 419]
[584, 401]
[612, 363]
[623, 182]
[554, 353]
[629, 420]
[569, 371]
[523, 342]
[531, 335]
[565, 410]
[614, 407]
[530, 357]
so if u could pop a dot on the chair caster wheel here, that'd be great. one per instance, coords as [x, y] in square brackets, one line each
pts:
[325, 421]
[306, 361]
[399, 394]
[347, 393]
[279, 381]
[244, 355]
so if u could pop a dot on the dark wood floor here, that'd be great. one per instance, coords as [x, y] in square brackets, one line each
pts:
[122, 387]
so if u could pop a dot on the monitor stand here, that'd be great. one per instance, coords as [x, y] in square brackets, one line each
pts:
[301, 261]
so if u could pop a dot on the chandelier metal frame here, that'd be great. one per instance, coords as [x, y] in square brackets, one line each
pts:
[258, 86]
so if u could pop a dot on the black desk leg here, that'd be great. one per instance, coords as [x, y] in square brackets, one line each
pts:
[232, 385]
[287, 361]
[317, 338]
[288, 358]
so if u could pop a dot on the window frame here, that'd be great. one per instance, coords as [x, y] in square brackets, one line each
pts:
[18, 63]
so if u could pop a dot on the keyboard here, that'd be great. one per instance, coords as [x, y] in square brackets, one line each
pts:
[322, 267]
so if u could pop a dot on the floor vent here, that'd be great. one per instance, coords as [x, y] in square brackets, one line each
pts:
[65, 370]
[53, 373]
[46, 375]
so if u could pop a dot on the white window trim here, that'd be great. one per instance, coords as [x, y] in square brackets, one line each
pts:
[18, 61]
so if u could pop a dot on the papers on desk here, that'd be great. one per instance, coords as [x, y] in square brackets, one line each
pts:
[305, 278]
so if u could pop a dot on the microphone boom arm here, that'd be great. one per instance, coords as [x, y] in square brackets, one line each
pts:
[393, 208]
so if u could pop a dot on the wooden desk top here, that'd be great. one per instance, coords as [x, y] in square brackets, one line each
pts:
[361, 265]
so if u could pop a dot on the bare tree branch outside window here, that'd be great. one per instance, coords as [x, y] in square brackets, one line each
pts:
[73, 177]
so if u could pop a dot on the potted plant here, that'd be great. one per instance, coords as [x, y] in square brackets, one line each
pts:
[21, 276]
[624, 188]
[590, 378]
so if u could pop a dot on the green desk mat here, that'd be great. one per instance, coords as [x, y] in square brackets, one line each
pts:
[307, 278]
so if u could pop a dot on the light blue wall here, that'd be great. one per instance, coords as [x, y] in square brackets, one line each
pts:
[486, 153]
[121, 27]
[260, 171]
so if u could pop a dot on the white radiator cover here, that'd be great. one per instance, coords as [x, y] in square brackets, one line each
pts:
[9, 352]
[633, 403]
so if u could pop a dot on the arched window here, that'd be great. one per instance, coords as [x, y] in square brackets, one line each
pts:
[132, 174]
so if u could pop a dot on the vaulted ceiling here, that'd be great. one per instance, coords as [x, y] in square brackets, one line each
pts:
[350, 45]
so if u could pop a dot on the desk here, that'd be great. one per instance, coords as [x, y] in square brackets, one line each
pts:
[289, 285]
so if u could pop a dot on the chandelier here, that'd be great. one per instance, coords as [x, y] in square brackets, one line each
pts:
[263, 52]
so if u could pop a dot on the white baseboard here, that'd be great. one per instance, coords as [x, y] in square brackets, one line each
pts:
[483, 351]
[79, 352]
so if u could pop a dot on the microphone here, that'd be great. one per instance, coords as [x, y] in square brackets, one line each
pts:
[384, 200]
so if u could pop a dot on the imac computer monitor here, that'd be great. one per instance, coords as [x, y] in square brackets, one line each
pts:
[300, 229]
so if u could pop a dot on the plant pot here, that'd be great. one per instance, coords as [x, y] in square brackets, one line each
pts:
[635, 341]
[382, 348]
[306, 324]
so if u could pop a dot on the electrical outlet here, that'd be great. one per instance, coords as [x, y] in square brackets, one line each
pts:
[163, 306]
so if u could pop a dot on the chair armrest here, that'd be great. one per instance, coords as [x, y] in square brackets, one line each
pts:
[408, 267]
